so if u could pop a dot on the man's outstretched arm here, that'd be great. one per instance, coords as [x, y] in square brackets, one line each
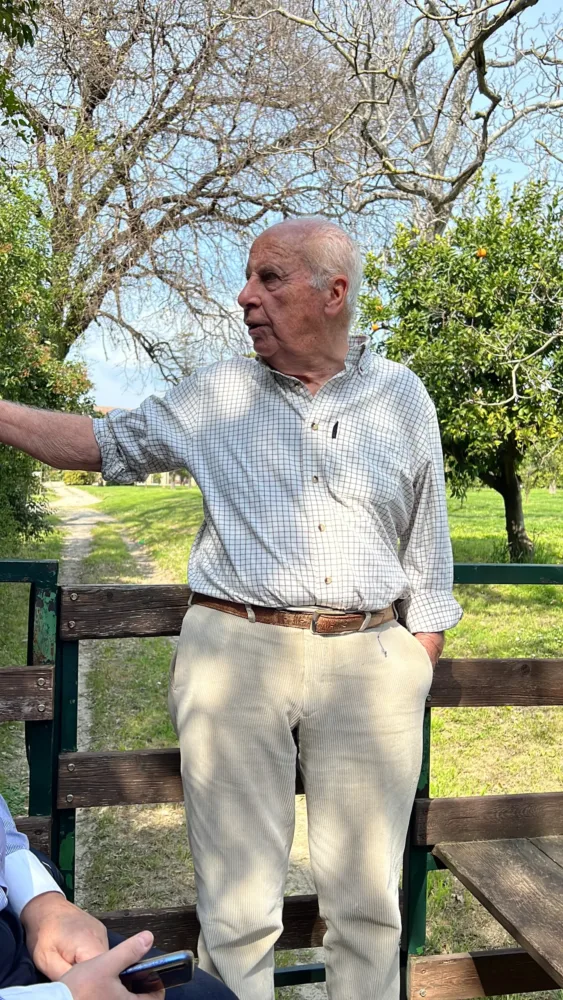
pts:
[62, 440]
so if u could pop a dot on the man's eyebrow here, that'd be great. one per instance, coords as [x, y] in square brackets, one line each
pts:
[265, 269]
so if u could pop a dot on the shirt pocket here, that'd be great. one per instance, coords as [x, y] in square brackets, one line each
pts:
[364, 466]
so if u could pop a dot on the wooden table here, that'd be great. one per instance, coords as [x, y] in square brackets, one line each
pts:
[521, 883]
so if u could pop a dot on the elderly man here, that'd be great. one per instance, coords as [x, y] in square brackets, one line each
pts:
[324, 526]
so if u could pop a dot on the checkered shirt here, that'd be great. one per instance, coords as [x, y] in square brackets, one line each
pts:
[335, 500]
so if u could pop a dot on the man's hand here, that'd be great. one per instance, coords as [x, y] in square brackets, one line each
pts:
[433, 643]
[58, 934]
[98, 979]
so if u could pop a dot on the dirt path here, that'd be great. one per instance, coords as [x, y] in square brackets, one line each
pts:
[79, 515]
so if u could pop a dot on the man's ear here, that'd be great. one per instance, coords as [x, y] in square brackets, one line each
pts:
[337, 293]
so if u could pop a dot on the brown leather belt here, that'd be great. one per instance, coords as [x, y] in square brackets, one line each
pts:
[315, 620]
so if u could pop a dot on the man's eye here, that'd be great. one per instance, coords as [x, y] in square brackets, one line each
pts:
[270, 276]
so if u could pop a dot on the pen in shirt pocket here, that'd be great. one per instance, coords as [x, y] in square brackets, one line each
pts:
[335, 431]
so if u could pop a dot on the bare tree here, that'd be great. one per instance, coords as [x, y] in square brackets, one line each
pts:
[430, 91]
[168, 131]
[163, 128]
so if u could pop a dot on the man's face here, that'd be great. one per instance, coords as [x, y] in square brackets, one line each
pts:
[283, 312]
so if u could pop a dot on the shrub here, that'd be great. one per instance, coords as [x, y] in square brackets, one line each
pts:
[74, 477]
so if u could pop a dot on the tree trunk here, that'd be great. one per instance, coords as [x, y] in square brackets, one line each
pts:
[507, 483]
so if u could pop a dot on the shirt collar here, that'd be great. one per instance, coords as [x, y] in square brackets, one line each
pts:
[359, 358]
[359, 355]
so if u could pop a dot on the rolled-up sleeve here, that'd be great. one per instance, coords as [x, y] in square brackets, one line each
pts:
[425, 549]
[155, 437]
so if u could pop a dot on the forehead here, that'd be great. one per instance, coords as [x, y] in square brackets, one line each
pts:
[276, 248]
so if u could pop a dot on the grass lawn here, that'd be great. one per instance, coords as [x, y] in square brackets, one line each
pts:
[163, 519]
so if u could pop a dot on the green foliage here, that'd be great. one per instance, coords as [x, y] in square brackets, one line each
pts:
[75, 477]
[30, 371]
[17, 21]
[543, 465]
[478, 314]
[18, 26]
[482, 331]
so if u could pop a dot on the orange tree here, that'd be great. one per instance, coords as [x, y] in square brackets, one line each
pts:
[30, 371]
[478, 314]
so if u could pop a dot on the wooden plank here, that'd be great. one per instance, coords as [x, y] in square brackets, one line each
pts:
[178, 927]
[114, 778]
[476, 974]
[551, 846]
[474, 683]
[105, 612]
[521, 887]
[26, 694]
[38, 831]
[111, 778]
[98, 612]
[487, 817]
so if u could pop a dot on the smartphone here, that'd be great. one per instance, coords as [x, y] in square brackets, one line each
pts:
[160, 972]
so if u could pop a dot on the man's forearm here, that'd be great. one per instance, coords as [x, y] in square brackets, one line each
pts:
[63, 440]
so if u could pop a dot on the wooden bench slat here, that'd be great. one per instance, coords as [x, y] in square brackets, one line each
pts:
[552, 846]
[122, 611]
[37, 829]
[178, 927]
[26, 694]
[136, 777]
[109, 778]
[487, 817]
[481, 683]
[113, 778]
[476, 974]
[521, 887]
[105, 612]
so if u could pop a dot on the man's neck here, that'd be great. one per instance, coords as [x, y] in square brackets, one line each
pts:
[312, 372]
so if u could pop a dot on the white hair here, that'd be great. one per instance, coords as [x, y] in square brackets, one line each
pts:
[328, 250]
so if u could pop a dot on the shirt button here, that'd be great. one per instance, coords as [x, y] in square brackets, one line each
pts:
[328, 579]
[322, 527]
[315, 479]
[314, 427]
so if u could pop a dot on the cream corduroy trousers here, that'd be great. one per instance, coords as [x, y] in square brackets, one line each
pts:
[238, 690]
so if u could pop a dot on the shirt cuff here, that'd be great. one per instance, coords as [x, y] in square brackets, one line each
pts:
[430, 611]
[114, 469]
[42, 991]
[26, 878]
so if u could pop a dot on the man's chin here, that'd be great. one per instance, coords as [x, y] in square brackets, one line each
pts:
[264, 347]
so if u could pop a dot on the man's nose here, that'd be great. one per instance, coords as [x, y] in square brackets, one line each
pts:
[248, 295]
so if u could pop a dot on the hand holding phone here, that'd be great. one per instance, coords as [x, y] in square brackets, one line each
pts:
[160, 972]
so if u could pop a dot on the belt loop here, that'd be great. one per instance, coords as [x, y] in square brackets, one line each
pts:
[250, 613]
[314, 619]
[366, 621]
[191, 597]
